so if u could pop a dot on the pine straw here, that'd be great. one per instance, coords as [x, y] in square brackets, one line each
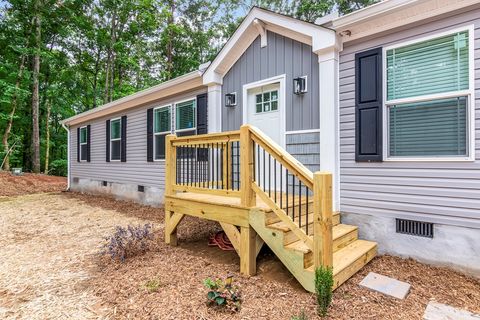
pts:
[29, 183]
[48, 244]
[51, 271]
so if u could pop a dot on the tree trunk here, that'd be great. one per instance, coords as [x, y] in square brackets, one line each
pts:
[47, 135]
[8, 129]
[108, 94]
[35, 94]
[170, 40]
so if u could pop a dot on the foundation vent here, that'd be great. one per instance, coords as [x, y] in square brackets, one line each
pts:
[75, 180]
[415, 228]
[141, 188]
[104, 183]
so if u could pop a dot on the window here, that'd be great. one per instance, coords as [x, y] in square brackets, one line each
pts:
[266, 101]
[428, 98]
[162, 123]
[115, 139]
[83, 144]
[185, 115]
[180, 118]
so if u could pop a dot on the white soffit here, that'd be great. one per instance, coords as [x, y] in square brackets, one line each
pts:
[178, 85]
[390, 14]
[320, 38]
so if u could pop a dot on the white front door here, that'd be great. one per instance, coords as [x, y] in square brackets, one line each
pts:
[263, 110]
[264, 107]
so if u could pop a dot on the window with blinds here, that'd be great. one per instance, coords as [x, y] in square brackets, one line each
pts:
[427, 98]
[185, 115]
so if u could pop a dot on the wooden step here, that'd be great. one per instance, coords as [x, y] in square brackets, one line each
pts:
[350, 259]
[271, 218]
[342, 234]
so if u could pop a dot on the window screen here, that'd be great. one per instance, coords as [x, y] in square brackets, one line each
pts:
[185, 115]
[83, 144]
[434, 66]
[115, 139]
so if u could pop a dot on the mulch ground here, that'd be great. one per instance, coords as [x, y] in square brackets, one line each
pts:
[272, 294]
[29, 183]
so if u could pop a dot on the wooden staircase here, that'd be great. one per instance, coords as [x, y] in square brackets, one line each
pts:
[349, 253]
[264, 195]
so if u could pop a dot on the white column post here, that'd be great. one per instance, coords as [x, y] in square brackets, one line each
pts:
[214, 107]
[329, 117]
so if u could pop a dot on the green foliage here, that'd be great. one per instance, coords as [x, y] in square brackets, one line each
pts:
[153, 285]
[323, 289]
[58, 167]
[223, 294]
[301, 316]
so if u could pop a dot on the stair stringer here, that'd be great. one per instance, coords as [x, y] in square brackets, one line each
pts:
[292, 260]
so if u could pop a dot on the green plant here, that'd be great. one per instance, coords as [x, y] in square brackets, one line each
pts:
[301, 316]
[152, 285]
[58, 168]
[323, 289]
[223, 294]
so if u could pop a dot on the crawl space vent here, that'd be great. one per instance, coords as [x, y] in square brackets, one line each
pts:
[415, 228]
[104, 183]
[141, 188]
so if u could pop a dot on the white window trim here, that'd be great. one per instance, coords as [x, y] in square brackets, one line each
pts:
[194, 115]
[81, 144]
[170, 106]
[270, 101]
[116, 139]
[470, 94]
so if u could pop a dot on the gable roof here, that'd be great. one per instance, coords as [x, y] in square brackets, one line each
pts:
[256, 23]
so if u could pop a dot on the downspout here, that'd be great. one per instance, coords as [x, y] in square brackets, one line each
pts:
[68, 155]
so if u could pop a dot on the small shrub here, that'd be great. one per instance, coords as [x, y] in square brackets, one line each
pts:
[323, 289]
[128, 242]
[301, 316]
[152, 285]
[58, 168]
[223, 294]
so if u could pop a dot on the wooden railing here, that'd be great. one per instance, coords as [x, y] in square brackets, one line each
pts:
[247, 164]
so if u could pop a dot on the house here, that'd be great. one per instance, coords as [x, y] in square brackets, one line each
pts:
[386, 99]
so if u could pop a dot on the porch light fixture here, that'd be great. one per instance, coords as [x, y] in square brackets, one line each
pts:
[231, 99]
[300, 85]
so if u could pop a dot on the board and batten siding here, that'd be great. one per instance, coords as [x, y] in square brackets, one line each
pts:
[136, 170]
[282, 55]
[440, 192]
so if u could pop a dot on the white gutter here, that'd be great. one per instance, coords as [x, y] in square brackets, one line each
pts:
[68, 155]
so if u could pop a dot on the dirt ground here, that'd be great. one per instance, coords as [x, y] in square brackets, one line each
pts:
[29, 183]
[50, 269]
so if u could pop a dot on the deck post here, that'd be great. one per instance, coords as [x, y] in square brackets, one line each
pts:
[322, 219]
[248, 251]
[246, 167]
[170, 179]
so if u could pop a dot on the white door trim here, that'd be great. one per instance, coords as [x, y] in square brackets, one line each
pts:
[281, 106]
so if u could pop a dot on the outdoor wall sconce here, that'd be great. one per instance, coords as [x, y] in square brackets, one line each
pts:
[300, 85]
[231, 99]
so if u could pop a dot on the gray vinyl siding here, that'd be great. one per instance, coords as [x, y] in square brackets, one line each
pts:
[442, 192]
[136, 170]
[305, 147]
[281, 56]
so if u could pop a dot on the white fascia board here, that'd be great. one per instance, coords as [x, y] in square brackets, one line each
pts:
[320, 38]
[180, 84]
[391, 14]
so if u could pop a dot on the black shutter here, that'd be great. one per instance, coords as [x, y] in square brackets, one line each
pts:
[123, 143]
[202, 123]
[150, 135]
[78, 144]
[368, 105]
[107, 140]
[88, 142]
